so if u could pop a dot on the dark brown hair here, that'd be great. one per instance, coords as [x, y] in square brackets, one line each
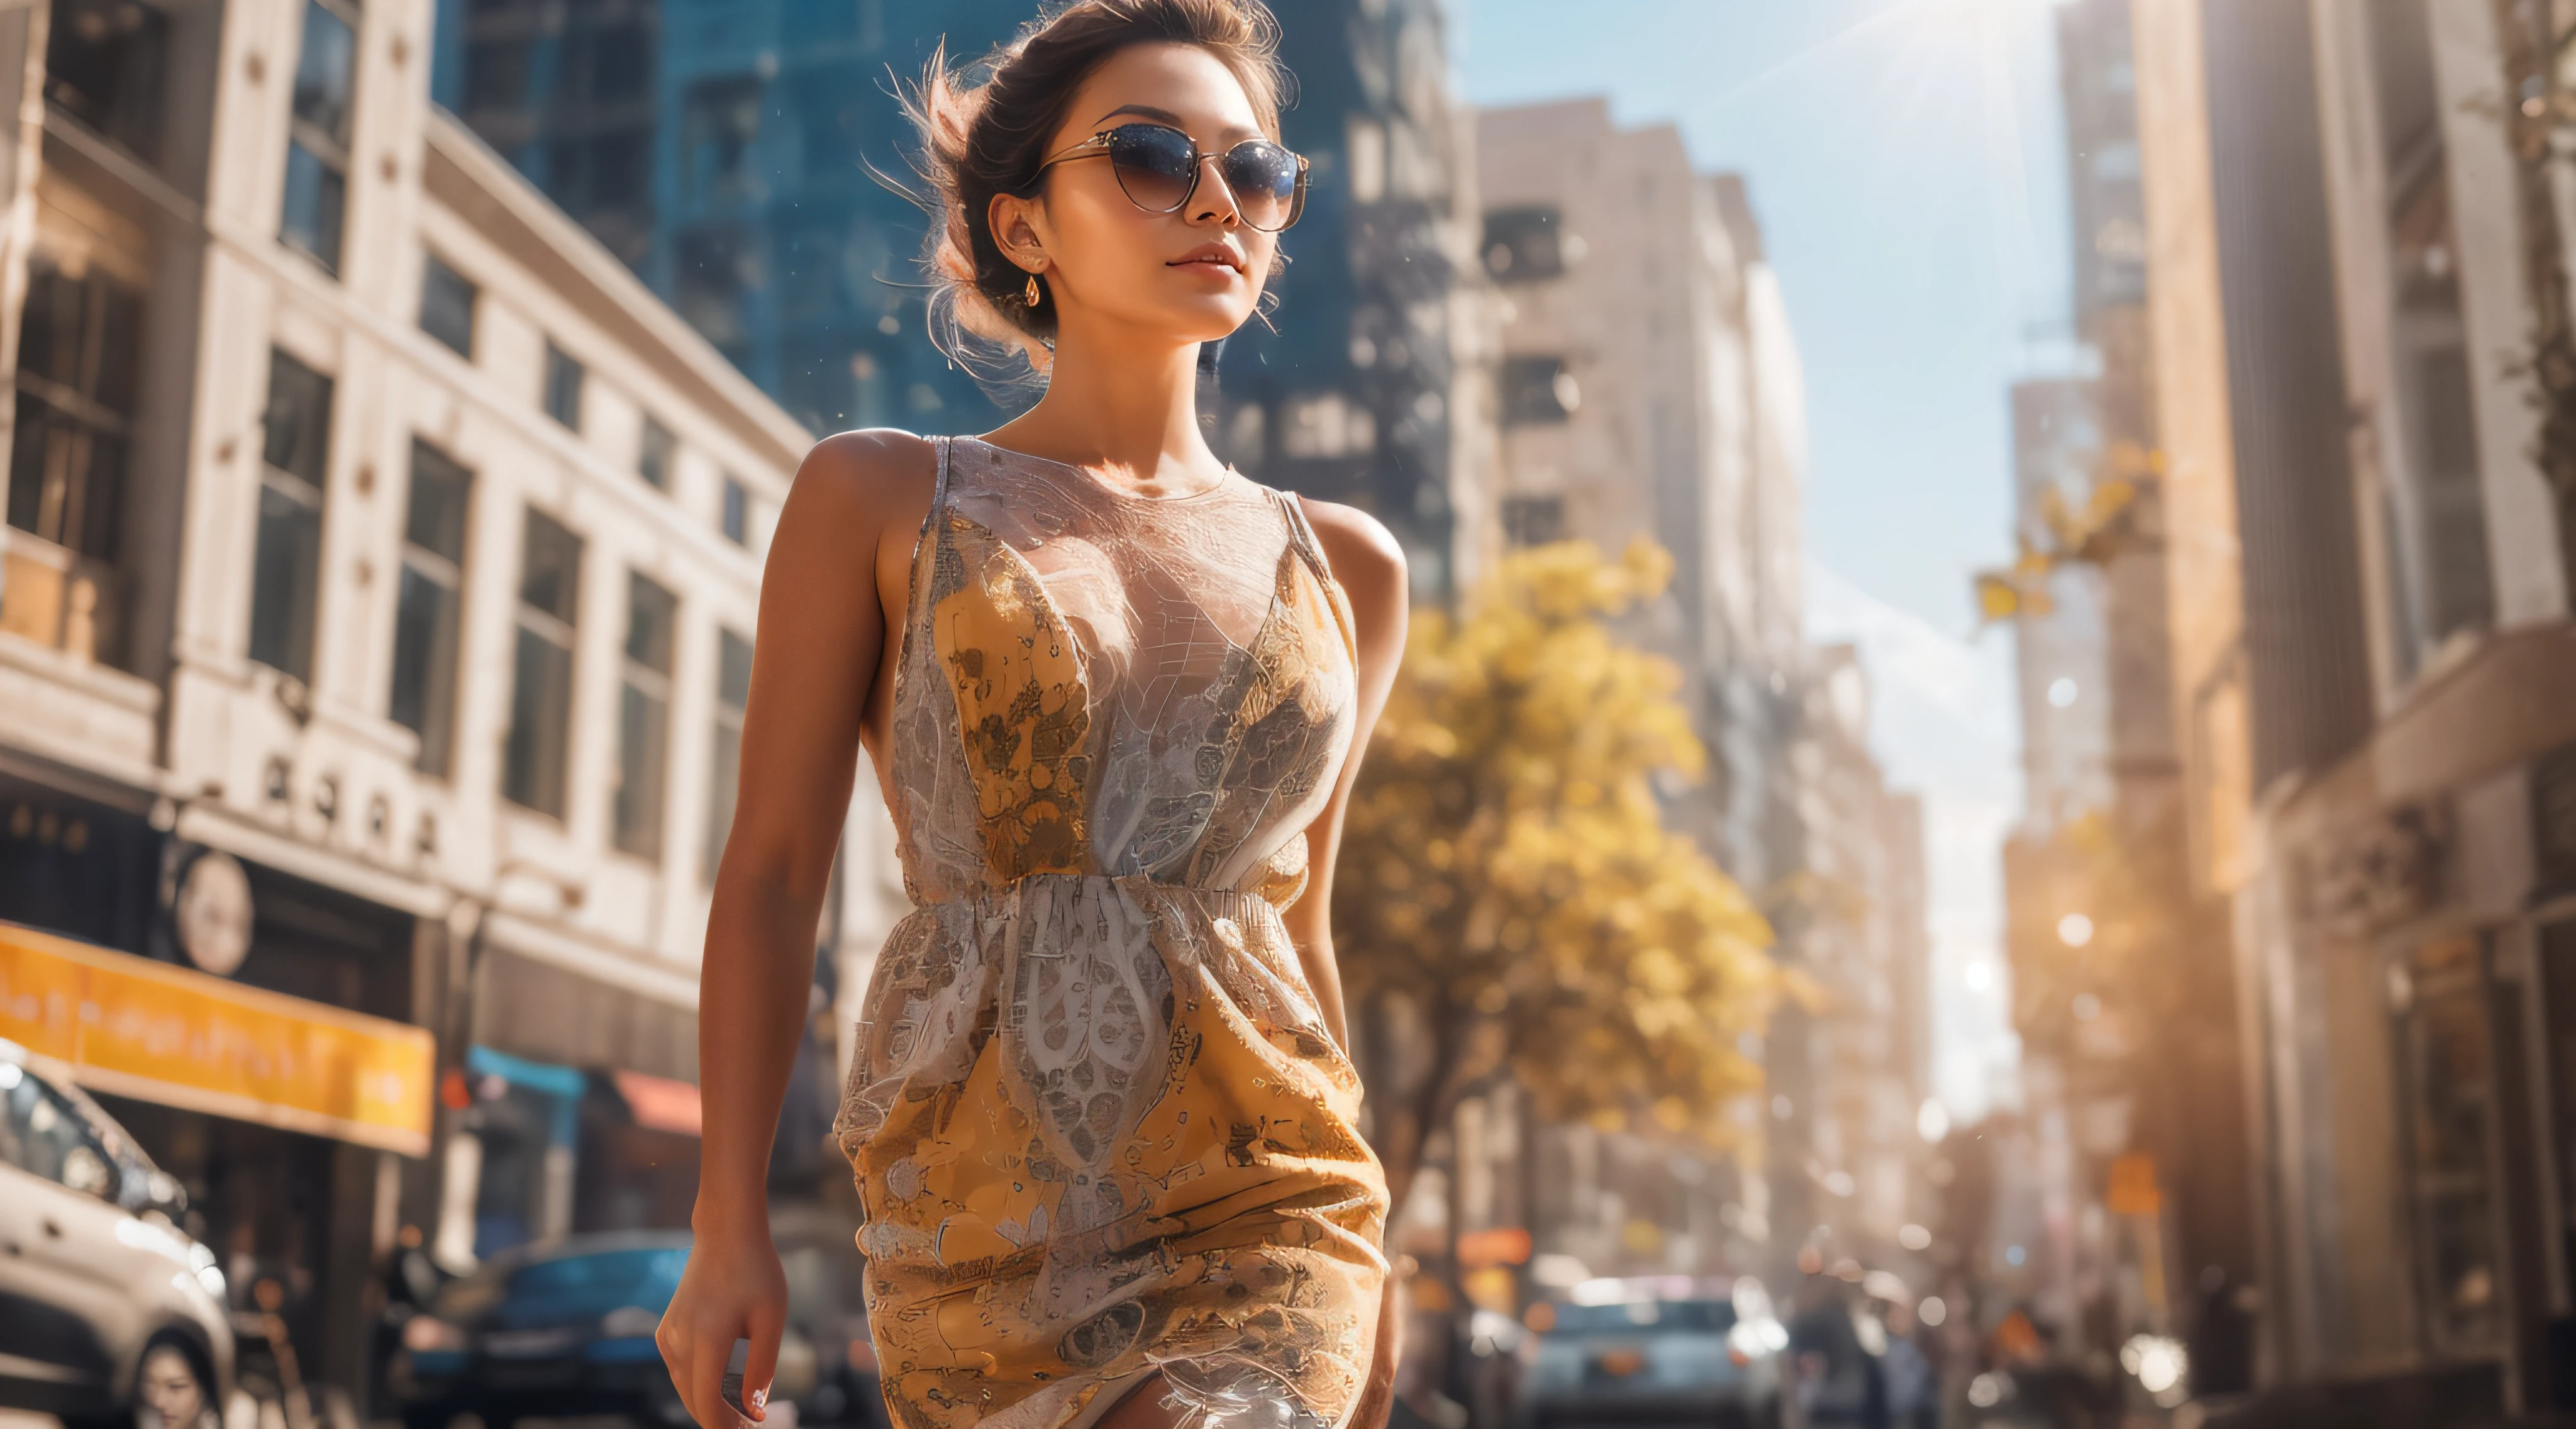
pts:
[985, 130]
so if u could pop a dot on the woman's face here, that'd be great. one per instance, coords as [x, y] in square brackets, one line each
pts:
[1192, 275]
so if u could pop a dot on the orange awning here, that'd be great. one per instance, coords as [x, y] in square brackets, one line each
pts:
[660, 1103]
[133, 1027]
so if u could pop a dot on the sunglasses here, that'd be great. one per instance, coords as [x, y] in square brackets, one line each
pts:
[1158, 168]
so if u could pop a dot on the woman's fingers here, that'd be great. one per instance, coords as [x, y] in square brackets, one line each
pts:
[707, 1356]
[762, 1364]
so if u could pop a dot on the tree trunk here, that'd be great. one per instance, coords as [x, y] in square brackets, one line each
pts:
[2526, 44]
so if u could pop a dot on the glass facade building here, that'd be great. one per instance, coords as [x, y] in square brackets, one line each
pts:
[745, 158]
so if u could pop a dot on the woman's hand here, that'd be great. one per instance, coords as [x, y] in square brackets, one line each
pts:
[733, 1289]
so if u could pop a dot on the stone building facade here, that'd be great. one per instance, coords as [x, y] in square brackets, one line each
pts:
[372, 532]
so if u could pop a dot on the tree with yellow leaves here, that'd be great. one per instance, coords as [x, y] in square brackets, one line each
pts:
[1508, 892]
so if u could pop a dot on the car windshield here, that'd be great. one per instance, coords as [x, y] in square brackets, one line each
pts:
[611, 1276]
[567, 1285]
[1685, 1317]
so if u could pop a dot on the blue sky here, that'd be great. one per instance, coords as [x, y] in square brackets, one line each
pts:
[1906, 159]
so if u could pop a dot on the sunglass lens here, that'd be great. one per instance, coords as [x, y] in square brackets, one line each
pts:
[1154, 165]
[1264, 179]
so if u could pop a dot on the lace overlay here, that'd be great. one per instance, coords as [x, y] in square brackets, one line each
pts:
[1097, 1122]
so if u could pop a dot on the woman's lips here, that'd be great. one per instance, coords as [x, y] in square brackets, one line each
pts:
[1209, 256]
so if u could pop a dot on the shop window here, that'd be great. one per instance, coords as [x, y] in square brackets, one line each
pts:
[1538, 390]
[533, 758]
[447, 305]
[317, 148]
[105, 62]
[737, 511]
[733, 697]
[2441, 1000]
[1523, 245]
[77, 341]
[654, 454]
[287, 566]
[1533, 520]
[428, 608]
[563, 387]
[643, 717]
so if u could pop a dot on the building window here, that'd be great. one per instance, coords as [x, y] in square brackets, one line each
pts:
[655, 453]
[286, 571]
[737, 512]
[733, 697]
[105, 62]
[428, 606]
[317, 148]
[77, 342]
[719, 123]
[1523, 245]
[2450, 1074]
[1538, 390]
[1533, 520]
[643, 717]
[447, 305]
[563, 387]
[533, 758]
[716, 272]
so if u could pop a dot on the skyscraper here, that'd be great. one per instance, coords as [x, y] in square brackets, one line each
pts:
[749, 160]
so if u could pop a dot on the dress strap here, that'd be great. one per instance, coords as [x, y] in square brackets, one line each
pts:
[1301, 533]
[938, 495]
[915, 599]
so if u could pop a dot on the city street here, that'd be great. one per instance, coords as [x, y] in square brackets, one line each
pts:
[1856, 713]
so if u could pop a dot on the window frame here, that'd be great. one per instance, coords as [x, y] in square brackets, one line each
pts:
[433, 265]
[724, 773]
[657, 453]
[643, 685]
[565, 377]
[437, 730]
[549, 771]
[308, 491]
[333, 154]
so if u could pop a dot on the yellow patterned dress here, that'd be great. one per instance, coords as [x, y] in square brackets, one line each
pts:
[1096, 1119]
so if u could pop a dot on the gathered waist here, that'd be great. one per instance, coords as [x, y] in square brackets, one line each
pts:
[1147, 892]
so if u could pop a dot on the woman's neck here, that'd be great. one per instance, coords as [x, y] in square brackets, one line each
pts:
[1127, 410]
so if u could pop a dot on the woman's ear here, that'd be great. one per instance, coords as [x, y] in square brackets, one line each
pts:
[1015, 230]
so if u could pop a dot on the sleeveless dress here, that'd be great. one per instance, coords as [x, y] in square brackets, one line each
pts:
[1097, 1122]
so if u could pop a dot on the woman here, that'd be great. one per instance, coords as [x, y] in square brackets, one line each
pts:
[1100, 1114]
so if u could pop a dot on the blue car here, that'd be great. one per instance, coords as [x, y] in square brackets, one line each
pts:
[1694, 1362]
[566, 1329]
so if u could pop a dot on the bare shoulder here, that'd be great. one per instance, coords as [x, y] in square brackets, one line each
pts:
[853, 491]
[1362, 552]
[879, 475]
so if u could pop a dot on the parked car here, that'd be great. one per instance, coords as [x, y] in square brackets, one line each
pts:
[106, 1306]
[568, 1329]
[1700, 1361]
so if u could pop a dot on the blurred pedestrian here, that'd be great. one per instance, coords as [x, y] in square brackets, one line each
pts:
[1913, 1390]
[1103, 1125]
[1840, 1378]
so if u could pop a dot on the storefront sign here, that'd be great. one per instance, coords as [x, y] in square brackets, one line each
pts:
[133, 1027]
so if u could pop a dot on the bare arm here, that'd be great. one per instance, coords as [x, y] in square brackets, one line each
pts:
[814, 690]
[1370, 568]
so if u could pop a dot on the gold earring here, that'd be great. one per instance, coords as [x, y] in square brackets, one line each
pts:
[1031, 295]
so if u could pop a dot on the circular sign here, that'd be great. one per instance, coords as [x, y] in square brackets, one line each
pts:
[214, 912]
